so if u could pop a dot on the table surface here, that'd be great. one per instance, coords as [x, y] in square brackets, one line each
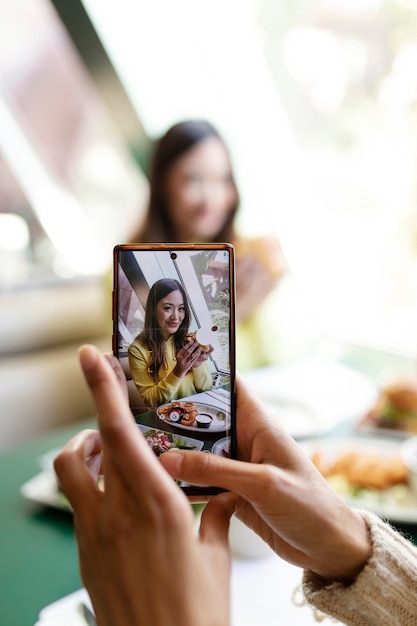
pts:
[38, 563]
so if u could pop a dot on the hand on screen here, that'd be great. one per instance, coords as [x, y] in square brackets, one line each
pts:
[189, 356]
[140, 559]
[277, 491]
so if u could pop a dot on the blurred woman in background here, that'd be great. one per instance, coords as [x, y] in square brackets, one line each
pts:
[194, 198]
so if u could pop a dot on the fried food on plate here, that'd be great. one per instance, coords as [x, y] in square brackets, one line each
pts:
[395, 408]
[364, 469]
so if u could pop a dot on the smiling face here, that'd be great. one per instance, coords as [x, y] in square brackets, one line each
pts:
[170, 313]
[200, 191]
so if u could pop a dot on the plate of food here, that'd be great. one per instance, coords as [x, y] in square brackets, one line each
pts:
[161, 441]
[395, 411]
[194, 416]
[222, 447]
[368, 472]
[43, 487]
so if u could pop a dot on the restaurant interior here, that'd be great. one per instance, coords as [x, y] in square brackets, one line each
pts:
[317, 102]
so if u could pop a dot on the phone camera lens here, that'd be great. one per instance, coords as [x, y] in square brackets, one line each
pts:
[173, 256]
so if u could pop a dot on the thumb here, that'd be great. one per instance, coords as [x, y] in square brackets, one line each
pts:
[198, 468]
[215, 519]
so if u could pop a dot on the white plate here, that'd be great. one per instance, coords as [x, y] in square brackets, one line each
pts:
[66, 611]
[217, 425]
[385, 507]
[177, 440]
[46, 461]
[369, 429]
[383, 432]
[43, 489]
[311, 396]
[221, 445]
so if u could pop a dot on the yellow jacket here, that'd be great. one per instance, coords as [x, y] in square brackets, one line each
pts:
[169, 387]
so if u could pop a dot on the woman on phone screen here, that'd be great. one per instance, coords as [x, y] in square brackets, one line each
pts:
[164, 364]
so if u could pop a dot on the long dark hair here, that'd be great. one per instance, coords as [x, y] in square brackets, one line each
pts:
[151, 335]
[177, 141]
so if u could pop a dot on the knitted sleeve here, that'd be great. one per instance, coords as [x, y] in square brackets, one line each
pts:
[385, 592]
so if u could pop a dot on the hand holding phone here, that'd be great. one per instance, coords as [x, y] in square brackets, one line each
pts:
[173, 314]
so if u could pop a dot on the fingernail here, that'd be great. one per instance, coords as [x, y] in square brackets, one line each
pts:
[172, 462]
[88, 356]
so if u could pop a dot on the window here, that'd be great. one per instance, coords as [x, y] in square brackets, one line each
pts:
[318, 103]
[64, 173]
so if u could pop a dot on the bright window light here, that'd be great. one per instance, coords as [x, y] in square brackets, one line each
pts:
[321, 137]
[317, 102]
[60, 214]
[14, 232]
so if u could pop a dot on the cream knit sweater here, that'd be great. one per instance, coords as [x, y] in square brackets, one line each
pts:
[385, 592]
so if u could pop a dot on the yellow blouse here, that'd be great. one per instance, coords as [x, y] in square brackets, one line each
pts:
[168, 387]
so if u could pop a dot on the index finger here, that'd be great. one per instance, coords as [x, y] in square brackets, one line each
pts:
[118, 370]
[122, 440]
[204, 470]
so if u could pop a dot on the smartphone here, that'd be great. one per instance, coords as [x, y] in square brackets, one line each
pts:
[174, 335]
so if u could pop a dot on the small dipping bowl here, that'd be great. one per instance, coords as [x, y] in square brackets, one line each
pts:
[203, 420]
[176, 414]
[409, 457]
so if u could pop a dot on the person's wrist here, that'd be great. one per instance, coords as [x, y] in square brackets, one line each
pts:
[178, 372]
[349, 550]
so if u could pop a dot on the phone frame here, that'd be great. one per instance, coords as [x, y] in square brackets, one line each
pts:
[141, 283]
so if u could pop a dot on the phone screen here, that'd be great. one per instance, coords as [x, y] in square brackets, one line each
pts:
[173, 333]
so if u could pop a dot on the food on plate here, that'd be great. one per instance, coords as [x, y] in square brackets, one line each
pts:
[395, 408]
[194, 415]
[161, 442]
[183, 413]
[158, 441]
[202, 337]
[364, 469]
[176, 413]
[372, 478]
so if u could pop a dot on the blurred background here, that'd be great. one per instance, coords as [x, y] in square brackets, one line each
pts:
[317, 101]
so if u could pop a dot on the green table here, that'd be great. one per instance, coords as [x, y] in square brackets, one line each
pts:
[38, 558]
